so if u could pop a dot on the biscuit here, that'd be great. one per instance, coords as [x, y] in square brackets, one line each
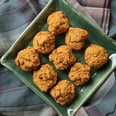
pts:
[63, 92]
[44, 42]
[79, 74]
[96, 56]
[57, 22]
[28, 59]
[75, 38]
[45, 78]
[62, 57]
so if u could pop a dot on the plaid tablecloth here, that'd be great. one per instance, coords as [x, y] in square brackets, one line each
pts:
[16, 99]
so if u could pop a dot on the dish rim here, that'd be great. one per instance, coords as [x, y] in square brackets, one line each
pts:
[28, 27]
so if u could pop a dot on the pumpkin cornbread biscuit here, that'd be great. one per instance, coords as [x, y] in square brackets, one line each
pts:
[79, 73]
[62, 57]
[44, 42]
[45, 78]
[75, 38]
[28, 59]
[63, 92]
[96, 56]
[57, 22]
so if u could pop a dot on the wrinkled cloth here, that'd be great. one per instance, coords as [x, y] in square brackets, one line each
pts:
[16, 99]
[98, 11]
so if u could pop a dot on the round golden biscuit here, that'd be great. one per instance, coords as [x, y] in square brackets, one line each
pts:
[79, 74]
[75, 38]
[28, 59]
[45, 78]
[57, 22]
[44, 42]
[62, 57]
[95, 56]
[63, 92]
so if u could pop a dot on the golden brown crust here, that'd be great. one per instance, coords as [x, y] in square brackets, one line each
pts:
[45, 78]
[75, 38]
[62, 57]
[44, 42]
[28, 59]
[95, 56]
[79, 74]
[63, 92]
[57, 22]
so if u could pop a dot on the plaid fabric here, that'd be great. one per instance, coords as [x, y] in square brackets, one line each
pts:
[98, 11]
[15, 15]
[112, 27]
[16, 99]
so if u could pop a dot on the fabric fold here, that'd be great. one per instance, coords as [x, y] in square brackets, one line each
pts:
[19, 17]
[98, 12]
[93, 3]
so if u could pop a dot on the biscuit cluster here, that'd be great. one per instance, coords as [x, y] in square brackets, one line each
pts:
[45, 77]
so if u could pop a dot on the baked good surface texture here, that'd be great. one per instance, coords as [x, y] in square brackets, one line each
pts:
[75, 37]
[44, 42]
[96, 56]
[45, 77]
[57, 22]
[28, 59]
[79, 74]
[62, 57]
[63, 92]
